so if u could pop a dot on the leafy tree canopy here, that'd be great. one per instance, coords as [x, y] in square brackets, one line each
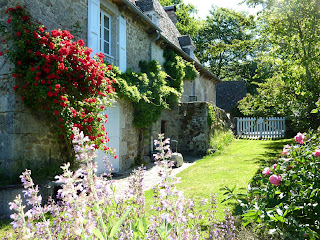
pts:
[187, 24]
[291, 34]
[227, 44]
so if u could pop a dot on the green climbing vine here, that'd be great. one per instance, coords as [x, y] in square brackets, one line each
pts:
[178, 69]
[212, 119]
[153, 90]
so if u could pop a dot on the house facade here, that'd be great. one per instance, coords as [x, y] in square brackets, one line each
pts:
[126, 31]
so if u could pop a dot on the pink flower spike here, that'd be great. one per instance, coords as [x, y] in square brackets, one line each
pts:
[317, 153]
[266, 171]
[299, 138]
[275, 179]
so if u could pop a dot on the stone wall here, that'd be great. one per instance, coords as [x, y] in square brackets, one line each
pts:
[128, 135]
[188, 124]
[55, 14]
[26, 140]
[204, 90]
[138, 43]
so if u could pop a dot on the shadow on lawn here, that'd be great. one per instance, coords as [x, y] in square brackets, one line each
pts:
[274, 150]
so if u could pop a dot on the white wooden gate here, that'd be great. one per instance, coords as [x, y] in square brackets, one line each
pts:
[271, 127]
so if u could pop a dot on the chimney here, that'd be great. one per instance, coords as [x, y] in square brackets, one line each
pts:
[171, 11]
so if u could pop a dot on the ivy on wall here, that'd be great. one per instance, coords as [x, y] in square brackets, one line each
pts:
[212, 119]
[153, 90]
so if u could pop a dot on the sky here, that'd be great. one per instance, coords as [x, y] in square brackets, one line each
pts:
[203, 6]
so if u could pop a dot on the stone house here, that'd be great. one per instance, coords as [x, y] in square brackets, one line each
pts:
[126, 31]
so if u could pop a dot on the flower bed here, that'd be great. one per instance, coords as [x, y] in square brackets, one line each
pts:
[284, 198]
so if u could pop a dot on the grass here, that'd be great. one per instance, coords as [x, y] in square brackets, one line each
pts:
[236, 164]
[5, 227]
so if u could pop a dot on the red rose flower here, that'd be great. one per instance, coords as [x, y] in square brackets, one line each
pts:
[14, 75]
[22, 98]
[9, 20]
[18, 34]
[32, 69]
[57, 86]
[19, 63]
[56, 112]
[51, 45]
[1, 53]
[50, 94]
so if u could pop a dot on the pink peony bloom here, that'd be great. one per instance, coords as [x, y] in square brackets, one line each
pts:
[285, 149]
[275, 179]
[266, 171]
[299, 138]
[317, 153]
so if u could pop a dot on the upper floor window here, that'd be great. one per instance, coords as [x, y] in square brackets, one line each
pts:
[105, 33]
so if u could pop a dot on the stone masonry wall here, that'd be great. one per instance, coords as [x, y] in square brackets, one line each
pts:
[128, 135]
[188, 124]
[26, 140]
[138, 44]
[204, 90]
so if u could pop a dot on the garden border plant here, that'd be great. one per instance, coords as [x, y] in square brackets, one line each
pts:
[284, 198]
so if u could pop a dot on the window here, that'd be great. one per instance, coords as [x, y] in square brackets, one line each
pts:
[105, 33]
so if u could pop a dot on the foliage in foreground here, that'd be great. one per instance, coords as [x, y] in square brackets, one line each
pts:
[88, 209]
[284, 198]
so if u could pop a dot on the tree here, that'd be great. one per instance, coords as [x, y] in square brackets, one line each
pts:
[187, 24]
[290, 30]
[226, 44]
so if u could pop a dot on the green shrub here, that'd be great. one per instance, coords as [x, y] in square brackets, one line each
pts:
[284, 199]
[221, 138]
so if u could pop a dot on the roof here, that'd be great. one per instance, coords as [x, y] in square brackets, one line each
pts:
[168, 31]
[228, 93]
[185, 40]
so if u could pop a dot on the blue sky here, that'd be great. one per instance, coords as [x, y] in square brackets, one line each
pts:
[204, 6]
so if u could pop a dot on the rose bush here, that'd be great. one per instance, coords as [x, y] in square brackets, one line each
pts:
[57, 77]
[284, 199]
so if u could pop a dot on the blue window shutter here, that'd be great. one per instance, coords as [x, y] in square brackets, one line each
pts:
[122, 44]
[94, 25]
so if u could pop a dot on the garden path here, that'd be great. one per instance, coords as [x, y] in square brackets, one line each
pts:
[151, 177]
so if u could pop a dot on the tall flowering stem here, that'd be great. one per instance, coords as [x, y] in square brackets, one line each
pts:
[57, 77]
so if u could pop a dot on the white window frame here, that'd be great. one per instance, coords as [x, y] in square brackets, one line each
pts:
[102, 38]
[192, 88]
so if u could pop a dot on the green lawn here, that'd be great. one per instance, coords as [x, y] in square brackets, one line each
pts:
[236, 164]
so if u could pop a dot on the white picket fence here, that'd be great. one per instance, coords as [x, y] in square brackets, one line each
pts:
[271, 127]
